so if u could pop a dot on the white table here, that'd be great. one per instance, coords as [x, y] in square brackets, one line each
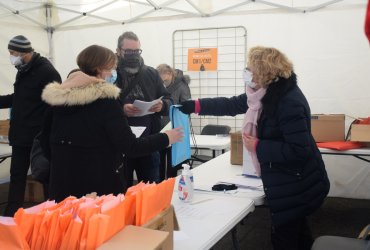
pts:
[358, 152]
[202, 225]
[220, 169]
[212, 142]
[348, 172]
[5, 151]
[224, 210]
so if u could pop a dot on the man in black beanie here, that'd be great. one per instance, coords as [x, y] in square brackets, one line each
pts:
[27, 113]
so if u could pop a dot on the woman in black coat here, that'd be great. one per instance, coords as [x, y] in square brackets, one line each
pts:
[88, 132]
[288, 160]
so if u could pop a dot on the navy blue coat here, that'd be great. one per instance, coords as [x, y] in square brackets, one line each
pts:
[292, 169]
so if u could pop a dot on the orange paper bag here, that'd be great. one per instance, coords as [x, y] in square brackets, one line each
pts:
[71, 238]
[97, 225]
[11, 237]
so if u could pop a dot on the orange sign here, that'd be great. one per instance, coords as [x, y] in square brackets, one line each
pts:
[202, 59]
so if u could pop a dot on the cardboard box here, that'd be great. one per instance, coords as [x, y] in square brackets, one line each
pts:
[236, 148]
[360, 132]
[164, 224]
[34, 191]
[165, 221]
[138, 238]
[4, 127]
[329, 127]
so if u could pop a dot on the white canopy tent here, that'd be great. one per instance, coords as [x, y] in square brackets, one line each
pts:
[54, 15]
[324, 39]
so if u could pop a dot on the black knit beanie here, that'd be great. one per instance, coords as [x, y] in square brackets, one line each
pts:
[20, 44]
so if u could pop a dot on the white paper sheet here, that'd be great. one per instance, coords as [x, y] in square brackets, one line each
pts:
[245, 182]
[167, 127]
[145, 106]
[248, 168]
[138, 131]
[201, 210]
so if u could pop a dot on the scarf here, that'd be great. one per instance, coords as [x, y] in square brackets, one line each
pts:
[80, 79]
[251, 117]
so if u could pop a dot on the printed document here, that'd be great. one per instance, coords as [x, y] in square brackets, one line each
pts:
[145, 106]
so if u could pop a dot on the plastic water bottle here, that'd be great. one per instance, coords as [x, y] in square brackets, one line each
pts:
[186, 184]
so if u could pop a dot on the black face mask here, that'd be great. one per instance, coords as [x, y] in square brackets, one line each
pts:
[131, 63]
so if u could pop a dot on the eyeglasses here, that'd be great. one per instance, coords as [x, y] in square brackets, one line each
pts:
[131, 51]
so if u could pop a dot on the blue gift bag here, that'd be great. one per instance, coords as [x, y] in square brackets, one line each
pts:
[180, 150]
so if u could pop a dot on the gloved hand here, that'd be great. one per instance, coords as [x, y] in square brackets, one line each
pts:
[187, 107]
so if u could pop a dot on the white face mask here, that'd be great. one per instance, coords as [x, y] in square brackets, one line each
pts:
[15, 60]
[247, 77]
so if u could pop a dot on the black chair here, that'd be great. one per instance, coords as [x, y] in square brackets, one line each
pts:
[211, 129]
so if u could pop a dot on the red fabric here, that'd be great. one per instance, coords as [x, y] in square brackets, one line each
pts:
[367, 21]
[340, 145]
[363, 121]
[197, 106]
[255, 145]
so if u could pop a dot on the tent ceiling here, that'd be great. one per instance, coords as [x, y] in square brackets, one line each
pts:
[70, 14]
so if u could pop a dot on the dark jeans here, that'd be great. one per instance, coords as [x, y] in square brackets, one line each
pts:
[146, 168]
[294, 235]
[20, 163]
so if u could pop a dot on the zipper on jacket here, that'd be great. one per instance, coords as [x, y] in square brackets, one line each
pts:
[288, 171]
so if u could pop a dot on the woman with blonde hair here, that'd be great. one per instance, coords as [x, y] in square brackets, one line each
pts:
[277, 135]
[175, 82]
[88, 133]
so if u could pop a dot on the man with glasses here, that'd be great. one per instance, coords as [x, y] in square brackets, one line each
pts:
[140, 82]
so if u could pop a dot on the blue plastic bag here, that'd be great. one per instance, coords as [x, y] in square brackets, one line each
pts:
[180, 150]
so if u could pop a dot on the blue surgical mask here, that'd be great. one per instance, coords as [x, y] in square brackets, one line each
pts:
[112, 78]
[247, 77]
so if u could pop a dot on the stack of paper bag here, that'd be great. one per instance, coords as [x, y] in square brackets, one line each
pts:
[83, 223]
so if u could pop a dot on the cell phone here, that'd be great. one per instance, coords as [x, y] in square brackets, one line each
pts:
[224, 187]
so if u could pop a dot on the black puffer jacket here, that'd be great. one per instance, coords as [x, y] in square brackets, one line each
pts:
[28, 109]
[292, 170]
[88, 135]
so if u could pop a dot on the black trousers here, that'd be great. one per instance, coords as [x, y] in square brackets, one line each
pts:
[294, 235]
[146, 168]
[166, 168]
[20, 163]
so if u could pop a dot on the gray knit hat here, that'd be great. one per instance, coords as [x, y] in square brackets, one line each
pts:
[20, 44]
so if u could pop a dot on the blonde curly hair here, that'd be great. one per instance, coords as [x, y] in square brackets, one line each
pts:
[268, 64]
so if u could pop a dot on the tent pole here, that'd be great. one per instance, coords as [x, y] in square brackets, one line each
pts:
[50, 30]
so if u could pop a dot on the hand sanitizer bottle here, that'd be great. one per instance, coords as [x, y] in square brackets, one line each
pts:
[186, 184]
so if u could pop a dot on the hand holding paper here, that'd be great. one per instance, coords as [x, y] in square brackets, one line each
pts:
[131, 110]
[157, 107]
[146, 108]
